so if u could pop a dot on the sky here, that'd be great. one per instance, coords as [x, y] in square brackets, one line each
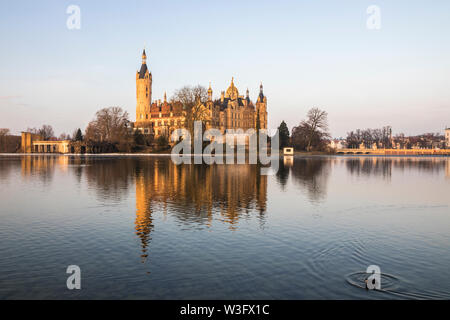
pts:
[306, 53]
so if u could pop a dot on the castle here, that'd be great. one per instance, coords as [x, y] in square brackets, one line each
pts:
[231, 111]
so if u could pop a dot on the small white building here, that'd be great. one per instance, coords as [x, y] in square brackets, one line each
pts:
[338, 144]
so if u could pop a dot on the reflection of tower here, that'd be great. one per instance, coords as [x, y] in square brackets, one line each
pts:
[144, 221]
[193, 194]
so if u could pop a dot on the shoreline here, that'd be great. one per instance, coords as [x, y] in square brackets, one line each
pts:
[296, 154]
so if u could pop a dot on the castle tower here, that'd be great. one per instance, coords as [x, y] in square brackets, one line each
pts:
[210, 92]
[143, 90]
[261, 108]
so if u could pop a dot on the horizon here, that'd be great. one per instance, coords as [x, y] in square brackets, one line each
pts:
[305, 54]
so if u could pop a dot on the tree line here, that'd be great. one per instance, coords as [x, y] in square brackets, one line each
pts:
[369, 137]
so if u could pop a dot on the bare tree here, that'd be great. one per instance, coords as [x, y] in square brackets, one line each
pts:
[111, 125]
[46, 132]
[8, 142]
[64, 136]
[312, 132]
[193, 100]
[33, 130]
[3, 139]
[315, 125]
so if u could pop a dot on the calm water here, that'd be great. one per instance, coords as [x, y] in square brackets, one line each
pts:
[143, 228]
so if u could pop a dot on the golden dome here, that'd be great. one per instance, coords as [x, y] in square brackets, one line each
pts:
[232, 92]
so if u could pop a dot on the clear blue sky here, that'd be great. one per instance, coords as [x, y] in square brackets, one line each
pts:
[306, 53]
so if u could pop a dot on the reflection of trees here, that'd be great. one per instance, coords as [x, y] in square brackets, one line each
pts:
[363, 166]
[110, 178]
[282, 174]
[430, 165]
[312, 175]
[7, 166]
[382, 167]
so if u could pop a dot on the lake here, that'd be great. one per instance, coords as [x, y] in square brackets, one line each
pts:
[141, 227]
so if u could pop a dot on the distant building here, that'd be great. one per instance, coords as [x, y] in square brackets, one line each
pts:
[447, 138]
[34, 143]
[231, 111]
[338, 144]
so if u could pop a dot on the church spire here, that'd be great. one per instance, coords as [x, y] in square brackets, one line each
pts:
[165, 96]
[261, 93]
[144, 57]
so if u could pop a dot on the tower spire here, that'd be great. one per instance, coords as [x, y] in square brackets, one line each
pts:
[144, 57]
[261, 93]
[210, 92]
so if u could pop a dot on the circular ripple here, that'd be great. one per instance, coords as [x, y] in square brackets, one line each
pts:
[388, 281]
[391, 284]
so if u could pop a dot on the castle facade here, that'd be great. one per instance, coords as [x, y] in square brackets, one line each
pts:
[231, 111]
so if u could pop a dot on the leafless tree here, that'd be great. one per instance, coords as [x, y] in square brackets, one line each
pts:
[64, 136]
[193, 100]
[4, 132]
[46, 132]
[8, 142]
[110, 125]
[312, 132]
[3, 139]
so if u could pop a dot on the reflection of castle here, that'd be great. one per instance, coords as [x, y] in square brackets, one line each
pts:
[195, 194]
[447, 168]
[231, 111]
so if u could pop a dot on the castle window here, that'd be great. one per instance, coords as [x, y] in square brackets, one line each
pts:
[146, 116]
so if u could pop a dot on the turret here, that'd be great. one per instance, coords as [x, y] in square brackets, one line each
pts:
[143, 90]
[210, 92]
[261, 108]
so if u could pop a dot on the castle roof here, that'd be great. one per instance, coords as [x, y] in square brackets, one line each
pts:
[143, 71]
